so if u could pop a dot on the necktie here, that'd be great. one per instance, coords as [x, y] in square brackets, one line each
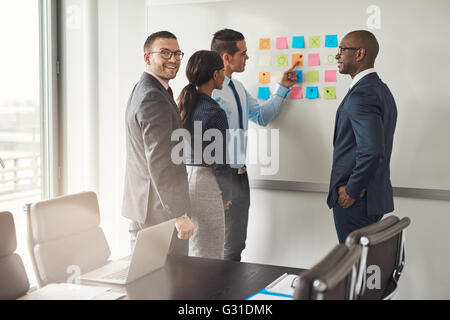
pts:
[238, 102]
[170, 91]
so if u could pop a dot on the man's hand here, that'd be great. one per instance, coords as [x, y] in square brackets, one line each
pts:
[226, 205]
[185, 227]
[289, 76]
[345, 201]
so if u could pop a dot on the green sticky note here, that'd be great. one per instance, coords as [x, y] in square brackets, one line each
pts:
[312, 76]
[329, 92]
[282, 60]
[314, 42]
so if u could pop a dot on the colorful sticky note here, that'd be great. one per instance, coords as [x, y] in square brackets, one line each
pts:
[263, 93]
[296, 93]
[330, 58]
[329, 93]
[298, 42]
[264, 60]
[264, 77]
[264, 44]
[312, 76]
[331, 41]
[299, 76]
[282, 60]
[297, 57]
[314, 42]
[312, 92]
[330, 75]
[282, 43]
[313, 59]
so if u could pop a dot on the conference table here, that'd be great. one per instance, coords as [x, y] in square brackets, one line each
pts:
[192, 278]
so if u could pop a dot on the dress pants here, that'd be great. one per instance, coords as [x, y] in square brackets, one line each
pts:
[348, 220]
[236, 219]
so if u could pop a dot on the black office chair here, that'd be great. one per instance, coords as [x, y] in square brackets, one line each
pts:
[383, 254]
[333, 278]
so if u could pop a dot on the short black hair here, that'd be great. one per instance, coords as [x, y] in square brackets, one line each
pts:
[224, 41]
[157, 35]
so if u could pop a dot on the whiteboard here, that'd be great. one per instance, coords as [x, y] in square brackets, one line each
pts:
[413, 62]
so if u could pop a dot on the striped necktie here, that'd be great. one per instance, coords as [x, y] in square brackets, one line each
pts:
[238, 102]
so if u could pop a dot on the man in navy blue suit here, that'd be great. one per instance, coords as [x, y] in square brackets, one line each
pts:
[360, 187]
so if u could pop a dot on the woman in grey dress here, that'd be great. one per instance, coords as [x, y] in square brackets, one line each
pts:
[208, 172]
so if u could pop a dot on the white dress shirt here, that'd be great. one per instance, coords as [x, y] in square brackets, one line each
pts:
[361, 75]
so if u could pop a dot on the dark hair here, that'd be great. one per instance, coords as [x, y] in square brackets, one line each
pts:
[224, 41]
[157, 35]
[199, 70]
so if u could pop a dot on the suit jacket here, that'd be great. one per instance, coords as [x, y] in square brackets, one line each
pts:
[152, 180]
[363, 137]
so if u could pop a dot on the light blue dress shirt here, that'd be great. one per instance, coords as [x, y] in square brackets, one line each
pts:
[251, 110]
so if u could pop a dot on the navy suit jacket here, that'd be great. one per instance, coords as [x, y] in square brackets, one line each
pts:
[363, 137]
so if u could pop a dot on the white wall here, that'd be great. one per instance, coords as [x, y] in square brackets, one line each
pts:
[299, 234]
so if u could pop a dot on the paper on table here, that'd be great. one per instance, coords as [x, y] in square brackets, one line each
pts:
[65, 291]
[283, 285]
[265, 296]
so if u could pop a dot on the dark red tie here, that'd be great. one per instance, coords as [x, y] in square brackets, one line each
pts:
[170, 91]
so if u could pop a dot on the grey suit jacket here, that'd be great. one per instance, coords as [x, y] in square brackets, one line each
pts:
[152, 180]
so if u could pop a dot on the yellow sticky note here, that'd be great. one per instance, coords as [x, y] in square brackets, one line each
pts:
[264, 77]
[329, 58]
[264, 44]
[297, 57]
[264, 60]
[282, 60]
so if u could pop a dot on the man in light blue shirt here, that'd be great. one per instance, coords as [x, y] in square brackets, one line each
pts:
[240, 107]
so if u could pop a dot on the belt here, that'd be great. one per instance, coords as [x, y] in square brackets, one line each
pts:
[242, 170]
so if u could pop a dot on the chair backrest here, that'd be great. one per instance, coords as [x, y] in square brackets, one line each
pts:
[65, 237]
[333, 278]
[13, 277]
[382, 259]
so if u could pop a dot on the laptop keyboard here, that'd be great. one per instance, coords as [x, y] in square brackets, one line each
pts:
[120, 275]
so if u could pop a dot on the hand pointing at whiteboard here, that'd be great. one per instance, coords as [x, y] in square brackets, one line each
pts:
[289, 76]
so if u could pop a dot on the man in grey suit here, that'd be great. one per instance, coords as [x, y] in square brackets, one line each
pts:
[156, 189]
[360, 187]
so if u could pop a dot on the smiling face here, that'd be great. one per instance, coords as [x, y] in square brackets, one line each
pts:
[166, 69]
[347, 62]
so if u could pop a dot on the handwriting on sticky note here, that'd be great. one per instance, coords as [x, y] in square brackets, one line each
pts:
[282, 43]
[282, 60]
[330, 75]
[313, 59]
[312, 92]
[296, 93]
[314, 42]
[329, 93]
[263, 93]
[264, 77]
[297, 57]
[298, 42]
[312, 76]
[331, 41]
[264, 44]
[299, 76]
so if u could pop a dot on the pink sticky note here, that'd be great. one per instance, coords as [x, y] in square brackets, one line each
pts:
[330, 75]
[313, 59]
[282, 43]
[296, 93]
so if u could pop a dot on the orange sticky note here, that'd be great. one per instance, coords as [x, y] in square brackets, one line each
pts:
[264, 77]
[264, 44]
[297, 57]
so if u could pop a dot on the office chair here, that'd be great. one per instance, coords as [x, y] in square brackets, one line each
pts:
[333, 278]
[64, 237]
[13, 277]
[383, 254]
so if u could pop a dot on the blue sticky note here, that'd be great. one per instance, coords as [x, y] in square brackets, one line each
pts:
[298, 42]
[331, 41]
[263, 93]
[312, 92]
[299, 75]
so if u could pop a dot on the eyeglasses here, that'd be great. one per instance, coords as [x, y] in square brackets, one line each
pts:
[167, 54]
[341, 49]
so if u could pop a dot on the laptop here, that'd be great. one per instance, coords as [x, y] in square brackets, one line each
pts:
[150, 253]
